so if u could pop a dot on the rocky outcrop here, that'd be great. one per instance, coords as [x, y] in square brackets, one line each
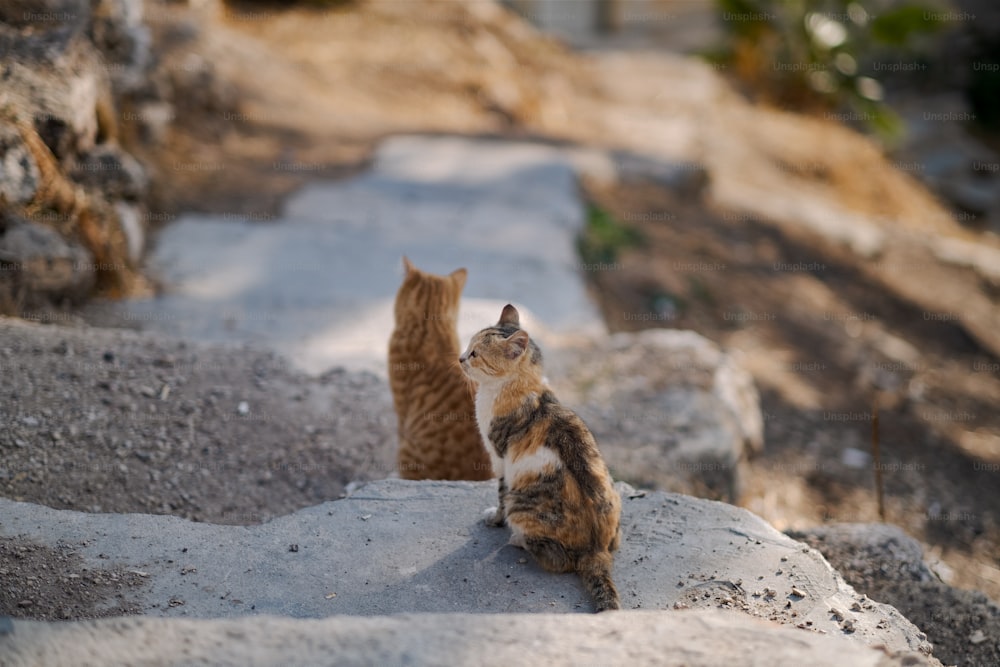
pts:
[669, 409]
[397, 546]
[690, 638]
[66, 66]
[888, 565]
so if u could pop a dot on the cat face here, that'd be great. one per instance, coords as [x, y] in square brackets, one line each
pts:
[499, 351]
[425, 296]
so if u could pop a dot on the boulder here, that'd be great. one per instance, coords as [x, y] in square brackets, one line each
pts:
[888, 565]
[397, 546]
[19, 177]
[109, 170]
[669, 409]
[44, 261]
[118, 30]
[691, 638]
[55, 81]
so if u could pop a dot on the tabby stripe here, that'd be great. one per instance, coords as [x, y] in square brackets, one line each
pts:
[513, 427]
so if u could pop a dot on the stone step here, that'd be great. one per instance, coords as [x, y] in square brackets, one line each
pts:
[396, 546]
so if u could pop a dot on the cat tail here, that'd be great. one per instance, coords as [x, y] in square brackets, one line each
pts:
[595, 571]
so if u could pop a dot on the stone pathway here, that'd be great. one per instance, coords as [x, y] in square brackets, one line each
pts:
[318, 283]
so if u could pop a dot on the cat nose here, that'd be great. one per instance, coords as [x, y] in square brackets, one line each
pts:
[462, 358]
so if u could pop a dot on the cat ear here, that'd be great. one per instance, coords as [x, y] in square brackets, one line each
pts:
[459, 276]
[517, 344]
[408, 265]
[510, 316]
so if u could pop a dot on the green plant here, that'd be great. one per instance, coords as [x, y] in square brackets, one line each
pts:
[604, 237]
[827, 55]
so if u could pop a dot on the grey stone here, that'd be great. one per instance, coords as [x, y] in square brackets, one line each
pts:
[669, 409]
[44, 14]
[54, 79]
[705, 638]
[398, 546]
[112, 172]
[45, 261]
[876, 548]
[19, 177]
[153, 119]
[129, 217]
[118, 30]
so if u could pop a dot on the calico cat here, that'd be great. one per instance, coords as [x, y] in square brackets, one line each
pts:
[438, 438]
[555, 491]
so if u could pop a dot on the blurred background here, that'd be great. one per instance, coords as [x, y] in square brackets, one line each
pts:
[812, 185]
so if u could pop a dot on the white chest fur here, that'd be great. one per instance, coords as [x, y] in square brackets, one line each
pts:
[486, 396]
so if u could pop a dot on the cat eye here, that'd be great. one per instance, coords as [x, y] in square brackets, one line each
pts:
[472, 354]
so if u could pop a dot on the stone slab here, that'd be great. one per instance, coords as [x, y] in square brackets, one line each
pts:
[397, 546]
[704, 638]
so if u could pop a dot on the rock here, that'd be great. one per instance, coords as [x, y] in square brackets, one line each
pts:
[424, 548]
[54, 80]
[109, 170]
[669, 409]
[45, 262]
[118, 30]
[22, 13]
[19, 177]
[886, 564]
[153, 120]
[130, 220]
[876, 551]
[60, 129]
[982, 258]
[701, 638]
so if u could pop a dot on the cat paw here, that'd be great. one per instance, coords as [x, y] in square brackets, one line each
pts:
[517, 540]
[493, 517]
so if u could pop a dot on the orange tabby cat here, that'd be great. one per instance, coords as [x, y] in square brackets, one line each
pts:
[555, 491]
[438, 438]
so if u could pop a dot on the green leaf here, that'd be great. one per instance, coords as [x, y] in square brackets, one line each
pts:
[895, 27]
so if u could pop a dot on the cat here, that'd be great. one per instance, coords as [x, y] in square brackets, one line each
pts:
[438, 438]
[555, 491]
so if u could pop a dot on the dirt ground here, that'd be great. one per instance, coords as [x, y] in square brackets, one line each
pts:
[113, 421]
[824, 345]
[962, 625]
[53, 585]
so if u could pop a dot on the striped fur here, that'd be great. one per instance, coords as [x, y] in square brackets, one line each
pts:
[555, 491]
[438, 437]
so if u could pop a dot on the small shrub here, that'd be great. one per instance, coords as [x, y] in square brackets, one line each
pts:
[604, 236]
[821, 55]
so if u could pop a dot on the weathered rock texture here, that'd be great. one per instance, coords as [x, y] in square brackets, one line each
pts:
[664, 405]
[66, 66]
[672, 639]
[888, 565]
[398, 546]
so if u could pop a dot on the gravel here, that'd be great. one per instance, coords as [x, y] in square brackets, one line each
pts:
[113, 421]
